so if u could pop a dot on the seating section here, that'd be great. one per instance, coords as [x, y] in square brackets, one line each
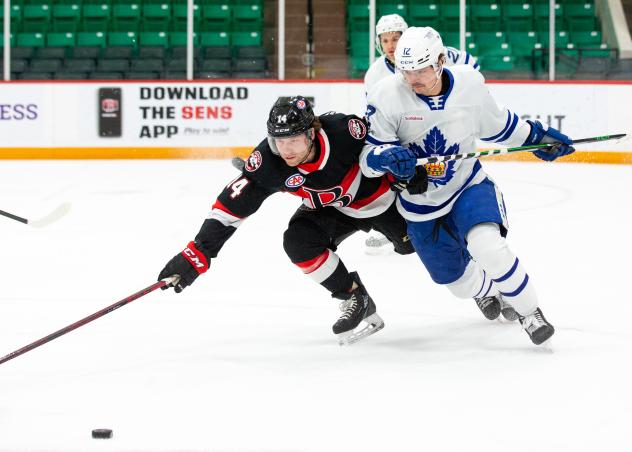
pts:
[509, 38]
[142, 39]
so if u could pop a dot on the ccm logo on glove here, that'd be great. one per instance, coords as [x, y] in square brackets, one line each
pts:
[195, 258]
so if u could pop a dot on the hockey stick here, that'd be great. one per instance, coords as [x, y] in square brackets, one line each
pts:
[531, 148]
[53, 216]
[89, 319]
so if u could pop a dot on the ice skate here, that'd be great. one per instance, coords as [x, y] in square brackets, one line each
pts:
[536, 326]
[507, 312]
[357, 307]
[377, 244]
[489, 306]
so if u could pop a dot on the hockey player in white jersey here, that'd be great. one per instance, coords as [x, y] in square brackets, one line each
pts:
[387, 32]
[455, 212]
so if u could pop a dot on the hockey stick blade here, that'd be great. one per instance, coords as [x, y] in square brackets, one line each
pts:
[530, 148]
[55, 215]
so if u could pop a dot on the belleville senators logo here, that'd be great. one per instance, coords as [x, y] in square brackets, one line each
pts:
[109, 105]
[357, 129]
[253, 161]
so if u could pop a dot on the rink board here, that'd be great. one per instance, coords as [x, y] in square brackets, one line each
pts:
[169, 119]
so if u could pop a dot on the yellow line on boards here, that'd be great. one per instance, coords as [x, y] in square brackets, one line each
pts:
[83, 153]
[122, 153]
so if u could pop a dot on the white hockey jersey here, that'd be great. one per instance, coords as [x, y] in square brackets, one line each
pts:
[383, 67]
[439, 125]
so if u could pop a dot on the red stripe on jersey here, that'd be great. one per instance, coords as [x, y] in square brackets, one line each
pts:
[218, 205]
[195, 257]
[324, 153]
[383, 188]
[313, 264]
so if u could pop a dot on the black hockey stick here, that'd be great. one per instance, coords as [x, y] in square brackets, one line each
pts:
[89, 319]
[531, 148]
[53, 216]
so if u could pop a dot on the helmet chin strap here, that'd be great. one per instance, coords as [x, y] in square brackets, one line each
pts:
[438, 73]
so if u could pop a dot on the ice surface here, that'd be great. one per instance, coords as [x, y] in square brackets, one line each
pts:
[244, 360]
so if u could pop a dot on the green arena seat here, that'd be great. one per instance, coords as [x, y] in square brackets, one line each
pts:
[156, 17]
[66, 17]
[36, 18]
[586, 38]
[247, 17]
[122, 38]
[486, 16]
[88, 38]
[61, 39]
[154, 38]
[246, 38]
[519, 17]
[125, 17]
[523, 43]
[216, 18]
[384, 8]
[427, 14]
[214, 38]
[95, 17]
[31, 39]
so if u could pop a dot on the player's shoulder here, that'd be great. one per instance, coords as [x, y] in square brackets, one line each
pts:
[467, 77]
[375, 73]
[264, 166]
[342, 126]
[387, 89]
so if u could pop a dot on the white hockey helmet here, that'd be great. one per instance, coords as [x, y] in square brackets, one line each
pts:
[419, 47]
[387, 24]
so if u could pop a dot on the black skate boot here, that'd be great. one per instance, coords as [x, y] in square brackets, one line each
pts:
[357, 306]
[536, 326]
[507, 311]
[489, 306]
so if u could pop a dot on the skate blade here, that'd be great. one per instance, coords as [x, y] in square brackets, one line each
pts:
[374, 324]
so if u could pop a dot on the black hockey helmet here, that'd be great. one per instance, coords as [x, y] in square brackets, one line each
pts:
[290, 116]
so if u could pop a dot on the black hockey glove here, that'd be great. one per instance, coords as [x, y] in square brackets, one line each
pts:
[189, 264]
[417, 185]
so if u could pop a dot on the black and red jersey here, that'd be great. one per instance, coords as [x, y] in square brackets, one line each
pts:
[333, 180]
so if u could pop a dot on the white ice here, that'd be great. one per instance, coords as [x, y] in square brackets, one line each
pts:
[245, 360]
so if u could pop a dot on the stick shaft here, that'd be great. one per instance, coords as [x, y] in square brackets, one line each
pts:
[13, 217]
[447, 158]
[83, 321]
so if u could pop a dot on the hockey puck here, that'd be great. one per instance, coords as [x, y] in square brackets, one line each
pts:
[102, 433]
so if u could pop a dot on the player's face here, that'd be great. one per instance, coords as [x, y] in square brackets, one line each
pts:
[388, 41]
[294, 150]
[423, 81]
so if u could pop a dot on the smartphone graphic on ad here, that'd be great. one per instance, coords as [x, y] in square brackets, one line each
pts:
[110, 112]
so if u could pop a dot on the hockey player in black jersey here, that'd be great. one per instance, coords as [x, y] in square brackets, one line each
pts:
[315, 158]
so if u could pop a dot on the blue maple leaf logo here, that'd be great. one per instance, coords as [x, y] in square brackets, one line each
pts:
[434, 144]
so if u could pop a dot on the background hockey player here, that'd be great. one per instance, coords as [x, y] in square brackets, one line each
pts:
[315, 158]
[387, 32]
[458, 226]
